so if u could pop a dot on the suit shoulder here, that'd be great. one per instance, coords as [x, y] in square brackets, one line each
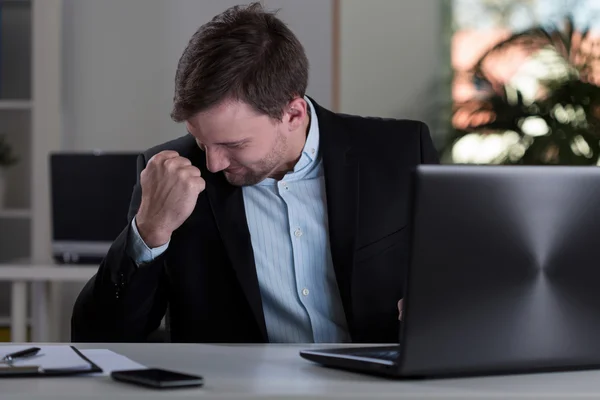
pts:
[389, 138]
[183, 145]
[384, 127]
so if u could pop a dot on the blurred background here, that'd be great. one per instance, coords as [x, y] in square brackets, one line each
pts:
[87, 84]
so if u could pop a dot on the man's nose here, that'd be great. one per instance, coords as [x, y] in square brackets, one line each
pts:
[216, 160]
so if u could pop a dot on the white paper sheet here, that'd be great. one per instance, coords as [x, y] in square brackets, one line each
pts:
[110, 361]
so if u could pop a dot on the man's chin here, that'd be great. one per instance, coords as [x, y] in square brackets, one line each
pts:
[242, 179]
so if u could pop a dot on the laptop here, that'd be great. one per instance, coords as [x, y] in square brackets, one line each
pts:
[90, 195]
[504, 275]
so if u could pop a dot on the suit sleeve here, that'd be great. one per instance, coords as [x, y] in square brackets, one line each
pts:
[122, 303]
[429, 154]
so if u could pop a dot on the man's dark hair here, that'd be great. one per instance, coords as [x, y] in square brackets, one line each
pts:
[243, 54]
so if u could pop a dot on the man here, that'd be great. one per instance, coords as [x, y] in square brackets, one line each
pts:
[273, 220]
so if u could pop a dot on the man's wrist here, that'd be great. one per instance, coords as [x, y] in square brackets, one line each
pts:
[152, 236]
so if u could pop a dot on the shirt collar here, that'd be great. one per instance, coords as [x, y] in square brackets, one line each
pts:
[310, 152]
[311, 147]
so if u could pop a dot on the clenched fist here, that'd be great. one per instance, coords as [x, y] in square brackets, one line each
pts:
[170, 189]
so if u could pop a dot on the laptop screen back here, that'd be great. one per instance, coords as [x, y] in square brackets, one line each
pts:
[504, 272]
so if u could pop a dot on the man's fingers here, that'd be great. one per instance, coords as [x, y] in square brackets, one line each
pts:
[400, 309]
[164, 155]
[192, 171]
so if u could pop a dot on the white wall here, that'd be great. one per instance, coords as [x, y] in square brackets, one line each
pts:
[390, 58]
[120, 58]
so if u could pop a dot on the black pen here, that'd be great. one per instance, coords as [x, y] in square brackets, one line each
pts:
[32, 351]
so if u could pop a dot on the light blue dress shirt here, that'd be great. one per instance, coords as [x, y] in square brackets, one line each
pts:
[288, 226]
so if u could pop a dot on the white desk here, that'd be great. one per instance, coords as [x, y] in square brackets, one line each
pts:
[277, 372]
[46, 311]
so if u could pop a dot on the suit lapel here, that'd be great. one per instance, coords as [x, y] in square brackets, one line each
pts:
[227, 204]
[341, 170]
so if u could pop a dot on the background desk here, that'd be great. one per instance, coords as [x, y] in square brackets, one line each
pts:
[44, 308]
[278, 372]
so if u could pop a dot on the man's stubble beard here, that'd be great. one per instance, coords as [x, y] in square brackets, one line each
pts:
[263, 168]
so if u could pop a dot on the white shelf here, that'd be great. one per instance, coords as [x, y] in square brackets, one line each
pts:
[47, 273]
[5, 322]
[16, 213]
[15, 104]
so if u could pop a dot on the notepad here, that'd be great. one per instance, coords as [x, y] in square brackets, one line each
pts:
[50, 358]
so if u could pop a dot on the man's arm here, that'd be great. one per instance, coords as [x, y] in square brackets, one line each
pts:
[124, 302]
[121, 303]
[429, 154]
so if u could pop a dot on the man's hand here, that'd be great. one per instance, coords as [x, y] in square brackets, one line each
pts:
[170, 189]
[400, 309]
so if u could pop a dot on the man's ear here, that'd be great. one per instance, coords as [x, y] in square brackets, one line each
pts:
[296, 113]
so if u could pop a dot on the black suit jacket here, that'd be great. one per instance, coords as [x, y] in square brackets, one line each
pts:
[207, 277]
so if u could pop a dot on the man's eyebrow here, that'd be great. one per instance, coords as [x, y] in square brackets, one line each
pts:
[233, 143]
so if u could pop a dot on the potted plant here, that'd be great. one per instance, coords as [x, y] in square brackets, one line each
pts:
[7, 159]
[534, 99]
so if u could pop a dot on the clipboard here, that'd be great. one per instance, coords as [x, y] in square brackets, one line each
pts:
[16, 371]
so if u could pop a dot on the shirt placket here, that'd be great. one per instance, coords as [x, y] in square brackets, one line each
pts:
[297, 233]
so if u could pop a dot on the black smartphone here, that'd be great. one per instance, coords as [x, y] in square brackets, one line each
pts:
[157, 378]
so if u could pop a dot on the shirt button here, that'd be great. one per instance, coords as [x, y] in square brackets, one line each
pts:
[285, 185]
[312, 151]
[305, 292]
[298, 232]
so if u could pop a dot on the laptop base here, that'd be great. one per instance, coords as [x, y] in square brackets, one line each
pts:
[377, 360]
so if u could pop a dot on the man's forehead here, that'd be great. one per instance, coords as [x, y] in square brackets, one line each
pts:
[227, 115]
[229, 109]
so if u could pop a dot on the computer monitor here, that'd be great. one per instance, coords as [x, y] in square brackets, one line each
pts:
[90, 195]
